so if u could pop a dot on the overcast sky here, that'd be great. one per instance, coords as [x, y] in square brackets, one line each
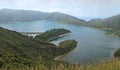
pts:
[79, 8]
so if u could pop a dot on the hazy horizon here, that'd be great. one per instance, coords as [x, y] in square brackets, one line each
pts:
[77, 8]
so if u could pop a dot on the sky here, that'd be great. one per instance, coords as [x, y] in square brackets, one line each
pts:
[78, 8]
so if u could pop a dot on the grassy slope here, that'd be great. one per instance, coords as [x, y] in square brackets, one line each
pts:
[113, 64]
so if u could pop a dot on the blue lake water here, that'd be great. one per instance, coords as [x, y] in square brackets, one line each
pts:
[93, 45]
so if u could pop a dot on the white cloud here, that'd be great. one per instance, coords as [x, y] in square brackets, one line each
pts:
[84, 8]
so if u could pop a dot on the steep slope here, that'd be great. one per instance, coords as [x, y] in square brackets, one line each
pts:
[111, 22]
[64, 18]
[95, 22]
[15, 47]
[9, 15]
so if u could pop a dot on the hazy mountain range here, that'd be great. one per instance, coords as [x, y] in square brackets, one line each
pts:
[9, 15]
[110, 22]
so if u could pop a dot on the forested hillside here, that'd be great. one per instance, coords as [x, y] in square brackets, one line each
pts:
[16, 47]
[19, 50]
[52, 34]
[110, 23]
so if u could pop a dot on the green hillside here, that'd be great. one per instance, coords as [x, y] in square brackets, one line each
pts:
[52, 34]
[14, 45]
[112, 23]
[64, 18]
[19, 50]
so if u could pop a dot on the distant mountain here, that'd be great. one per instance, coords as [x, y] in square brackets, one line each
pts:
[64, 18]
[9, 15]
[111, 22]
[95, 22]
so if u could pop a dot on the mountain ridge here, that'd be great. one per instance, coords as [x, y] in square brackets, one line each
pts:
[9, 15]
[112, 23]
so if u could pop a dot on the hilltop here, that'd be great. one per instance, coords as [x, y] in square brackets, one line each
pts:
[9, 15]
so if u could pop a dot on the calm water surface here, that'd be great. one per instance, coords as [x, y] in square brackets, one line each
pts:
[93, 44]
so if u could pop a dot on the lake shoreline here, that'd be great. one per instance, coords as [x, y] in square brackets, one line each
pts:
[60, 57]
[90, 40]
[62, 35]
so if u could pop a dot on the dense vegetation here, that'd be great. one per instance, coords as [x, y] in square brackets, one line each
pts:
[16, 48]
[117, 53]
[52, 34]
[19, 50]
[66, 46]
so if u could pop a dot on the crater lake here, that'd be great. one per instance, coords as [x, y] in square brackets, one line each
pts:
[93, 44]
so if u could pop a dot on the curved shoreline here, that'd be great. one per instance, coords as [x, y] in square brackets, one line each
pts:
[60, 57]
[62, 35]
